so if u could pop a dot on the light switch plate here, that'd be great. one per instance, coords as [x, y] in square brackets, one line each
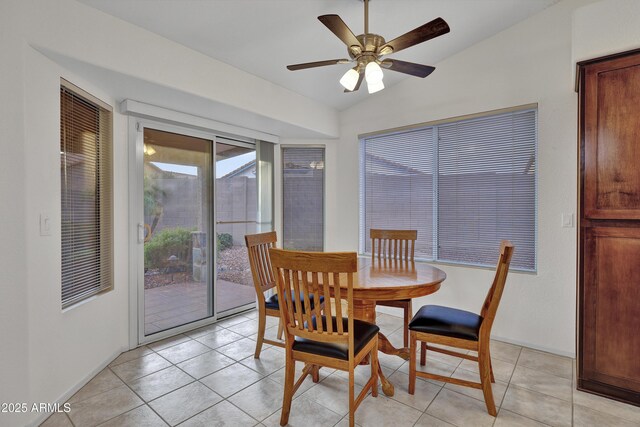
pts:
[567, 220]
[45, 224]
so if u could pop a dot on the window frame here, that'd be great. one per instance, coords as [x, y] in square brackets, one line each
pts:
[362, 239]
[103, 272]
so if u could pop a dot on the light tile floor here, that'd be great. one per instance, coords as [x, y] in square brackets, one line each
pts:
[208, 377]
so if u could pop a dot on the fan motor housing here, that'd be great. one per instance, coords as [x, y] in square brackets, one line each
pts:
[371, 43]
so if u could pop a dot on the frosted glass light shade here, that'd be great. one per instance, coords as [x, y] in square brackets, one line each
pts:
[375, 86]
[373, 73]
[350, 79]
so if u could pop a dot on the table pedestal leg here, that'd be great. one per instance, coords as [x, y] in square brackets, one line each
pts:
[386, 347]
[366, 310]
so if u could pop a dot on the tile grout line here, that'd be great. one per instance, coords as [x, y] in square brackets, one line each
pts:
[515, 365]
[270, 375]
[144, 403]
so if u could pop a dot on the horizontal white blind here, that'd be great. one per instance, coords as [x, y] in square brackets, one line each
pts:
[397, 173]
[484, 188]
[487, 189]
[86, 196]
[303, 198]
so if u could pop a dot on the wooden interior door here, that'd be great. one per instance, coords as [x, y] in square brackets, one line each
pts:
[609, 262]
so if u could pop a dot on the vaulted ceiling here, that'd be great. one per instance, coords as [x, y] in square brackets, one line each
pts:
[263, 36]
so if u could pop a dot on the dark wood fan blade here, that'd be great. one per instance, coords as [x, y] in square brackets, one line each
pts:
[340, 29]
[425, 32]
[357, 86]
[417, 70]
[295, 67]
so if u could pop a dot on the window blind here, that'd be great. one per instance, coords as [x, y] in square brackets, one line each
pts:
[487, 189]
[397, 186]
[463, 185]
[86, 196]
[303, 198]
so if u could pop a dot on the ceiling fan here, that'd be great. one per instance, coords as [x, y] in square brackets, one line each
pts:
[368, 49]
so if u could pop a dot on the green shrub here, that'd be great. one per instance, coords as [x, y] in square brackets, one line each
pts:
[167, 242]
[225, 241]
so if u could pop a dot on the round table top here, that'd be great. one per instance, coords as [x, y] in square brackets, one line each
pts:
[381, 279]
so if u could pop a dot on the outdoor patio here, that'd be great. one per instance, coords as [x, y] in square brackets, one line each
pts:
[180, 303]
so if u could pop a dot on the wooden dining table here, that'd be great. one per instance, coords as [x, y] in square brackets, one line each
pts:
[387, 279]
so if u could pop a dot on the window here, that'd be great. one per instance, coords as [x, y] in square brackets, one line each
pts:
[86, 195]
[303, 198]
[464, 185]
[397, 186]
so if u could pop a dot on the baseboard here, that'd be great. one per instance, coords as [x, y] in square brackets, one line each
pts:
[609, 391]
[73, 390]
[555, 351]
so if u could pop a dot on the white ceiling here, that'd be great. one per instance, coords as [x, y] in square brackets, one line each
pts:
[262, 37]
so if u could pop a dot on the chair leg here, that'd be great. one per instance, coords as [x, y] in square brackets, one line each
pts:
[484, 363]
[407, 318]
[352, 400]
[262, 322]
[493, 379]
[423, 353]
[289, 377]
[413, 347]
[315, 373]
[280, 329]
[374, 371]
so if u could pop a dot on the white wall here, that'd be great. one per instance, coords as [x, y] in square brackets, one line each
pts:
[606, 27]
[66, 347]
[47, 353]
[85, 35]
[528, 63]
[13, 293]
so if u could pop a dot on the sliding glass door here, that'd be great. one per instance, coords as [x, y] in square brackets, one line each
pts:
[200, 197]
[236, 204]
[177, 222]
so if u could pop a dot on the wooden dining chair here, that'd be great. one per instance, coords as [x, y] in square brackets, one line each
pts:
[330, 340]
[258, 246]
[395, 245]
[435, 324]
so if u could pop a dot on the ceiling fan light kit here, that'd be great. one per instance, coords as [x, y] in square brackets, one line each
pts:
[350, 79]
[373, 72]
[367, 49]
[375, 86]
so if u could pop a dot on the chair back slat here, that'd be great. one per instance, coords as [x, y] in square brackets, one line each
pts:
[285, 299]
[328, 272]
[293, 294]
[315, 289]
[257, 253]
[338, 297]
[258, 246]
[393, 244]
[350, 314]
[494, 295]
[328, 309]
[306, 291]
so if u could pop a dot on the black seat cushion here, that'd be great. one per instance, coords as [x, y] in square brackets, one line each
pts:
[450, 322]
[363, 333]
[272, 301]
